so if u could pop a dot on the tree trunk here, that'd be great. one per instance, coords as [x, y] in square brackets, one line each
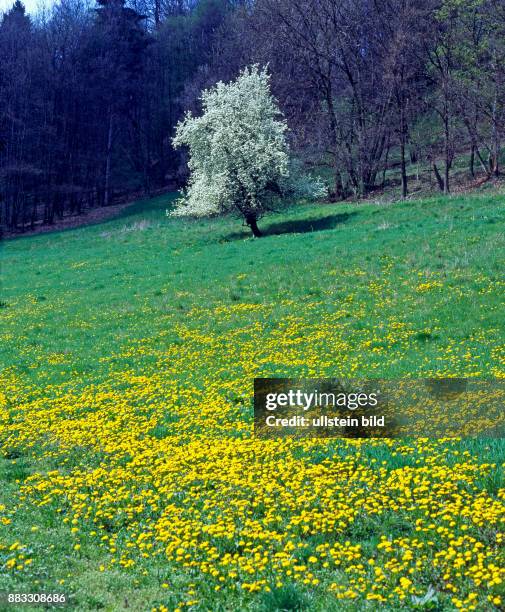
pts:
[472, 161]
[385, 167]
[405, 188]
[440, 180]
[251, 221]
[447, 154]
[107, 162]
[339, 188]
[482, 162]
[403, 140]
[494, 166]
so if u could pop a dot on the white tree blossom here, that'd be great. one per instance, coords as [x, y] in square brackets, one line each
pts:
[239, 154]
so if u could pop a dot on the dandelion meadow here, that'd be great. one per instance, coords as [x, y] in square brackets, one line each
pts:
[130, 477]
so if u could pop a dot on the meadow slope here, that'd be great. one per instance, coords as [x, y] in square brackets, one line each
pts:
[129, 475]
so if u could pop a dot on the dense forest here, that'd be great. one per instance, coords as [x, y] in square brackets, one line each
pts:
[90, 94]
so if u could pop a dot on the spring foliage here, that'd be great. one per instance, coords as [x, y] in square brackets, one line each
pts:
[239, 154]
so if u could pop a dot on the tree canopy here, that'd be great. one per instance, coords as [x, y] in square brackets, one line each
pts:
[239, 154]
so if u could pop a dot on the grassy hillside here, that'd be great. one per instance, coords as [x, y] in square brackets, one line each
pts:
[129, 469]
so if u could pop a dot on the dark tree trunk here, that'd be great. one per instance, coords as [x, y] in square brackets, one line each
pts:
[482, 161]
[494, 166]
[337, 176]
[447, 188]
[403, 141]
[108, 162]
[385, 168]
[447, 151]
[405, 188]
[338, 194]
[252, 222]
[440, 180]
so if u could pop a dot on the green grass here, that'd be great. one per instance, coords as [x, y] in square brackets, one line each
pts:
[73, 302]
[145, 261]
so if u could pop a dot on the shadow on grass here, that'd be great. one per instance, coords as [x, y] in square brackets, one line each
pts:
[297, 226]
[303, 226]
[154, 206]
